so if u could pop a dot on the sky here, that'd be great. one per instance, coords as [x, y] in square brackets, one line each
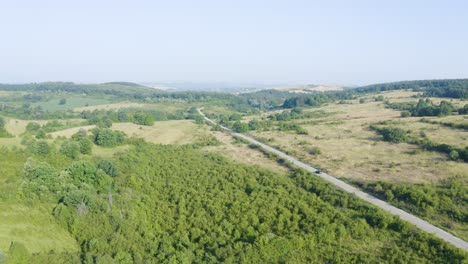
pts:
[244, 41]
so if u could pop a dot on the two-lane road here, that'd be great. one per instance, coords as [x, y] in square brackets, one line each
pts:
[420, 223]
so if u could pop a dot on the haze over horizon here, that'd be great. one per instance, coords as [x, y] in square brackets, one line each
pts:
[298, 42]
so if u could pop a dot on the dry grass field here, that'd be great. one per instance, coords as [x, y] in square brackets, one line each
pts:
[113, 106]
[349, 149]
[164, 132]
[17, 127]
[70, 131]
[242, 153]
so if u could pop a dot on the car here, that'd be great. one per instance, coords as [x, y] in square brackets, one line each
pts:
[318, 171]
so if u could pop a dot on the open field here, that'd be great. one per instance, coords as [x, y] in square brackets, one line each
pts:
[70, 131]
[6, 93]
[10, 142]
[17, 127]
[71, 103]
[242, 153]
[164, 132]
[349, 149]
[34, 227]
[435, 132]
[113, 106]
[166, 106]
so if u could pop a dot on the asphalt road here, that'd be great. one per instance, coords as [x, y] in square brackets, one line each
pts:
[420, 223]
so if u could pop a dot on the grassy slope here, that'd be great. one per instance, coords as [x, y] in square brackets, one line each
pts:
[34, 227]
[72, 102]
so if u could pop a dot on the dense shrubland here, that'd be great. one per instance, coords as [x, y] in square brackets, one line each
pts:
[272, 122]
[445, 203]
[175, 204]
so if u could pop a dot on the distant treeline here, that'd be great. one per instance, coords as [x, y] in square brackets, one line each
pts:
[246, 102]
[456, 88]
[453, 88]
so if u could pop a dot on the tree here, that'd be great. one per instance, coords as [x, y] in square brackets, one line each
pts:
[254, 124]
[83, 171]
[86, 146]
[41, 134]
[62, 101]
[2, 123]
[148, 121]
[42, 148]
[379, 98]
[33, 126]
[464, 110]
[240, 127]
[70, 149]
[122, 116]
[106, 122]
[362, 100]
[108, 138]
[405, 114]
[80, 135]
[43, 171]
[446, 108]
[393, 134]
[199, 119]
[453, 155]
[108, 167]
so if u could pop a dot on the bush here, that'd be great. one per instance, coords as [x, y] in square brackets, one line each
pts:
[41, 148]
[108, 138]
[240, 127]
[33, 127]
[41, 134]
[2, 123]
[108, 167]
[315, 151]
[83, 171]
[379, 98]
[70, 149]
[393, 134]
[86, 146]
[405, 114]
[453, 155]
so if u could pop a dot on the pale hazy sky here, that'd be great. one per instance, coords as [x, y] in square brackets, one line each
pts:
[344, 42]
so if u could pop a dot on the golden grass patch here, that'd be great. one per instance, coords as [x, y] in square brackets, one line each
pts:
[242, 153]
[350, 150]
[70, 131]
[113, 106]
[164, 132]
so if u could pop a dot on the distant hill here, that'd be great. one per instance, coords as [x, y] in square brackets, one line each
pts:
[125, 84]
[453, 88]
[111, 88]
